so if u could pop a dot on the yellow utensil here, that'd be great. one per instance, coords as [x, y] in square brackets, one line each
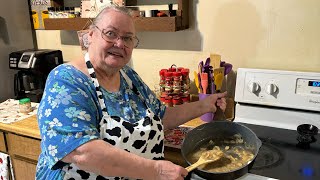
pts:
[218, 75]
[205, 158]
[196, 80]
[215, 60]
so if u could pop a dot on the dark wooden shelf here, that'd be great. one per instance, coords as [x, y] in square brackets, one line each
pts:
[161, 24]
[65, 23]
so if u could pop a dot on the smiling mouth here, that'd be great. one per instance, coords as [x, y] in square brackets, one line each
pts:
[115, 54]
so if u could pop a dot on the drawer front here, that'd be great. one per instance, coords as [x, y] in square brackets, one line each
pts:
[23, 146]
[23, 170]
[2, 143]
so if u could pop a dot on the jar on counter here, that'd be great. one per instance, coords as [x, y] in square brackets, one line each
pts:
[180, 69]
[176, 82]
[185, 99]
[172, 69]
[162, 80]
[163, 99]
[25, 105]
[168, 101]
[71, 13]
[51, 12]
[185, 81]
[168, 82]
[176, 101]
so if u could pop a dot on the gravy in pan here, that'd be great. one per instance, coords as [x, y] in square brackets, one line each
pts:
[236, 155]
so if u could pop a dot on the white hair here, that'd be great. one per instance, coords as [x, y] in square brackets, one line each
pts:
[115, 7]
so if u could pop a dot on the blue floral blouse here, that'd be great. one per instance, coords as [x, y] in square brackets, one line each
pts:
[69, 113]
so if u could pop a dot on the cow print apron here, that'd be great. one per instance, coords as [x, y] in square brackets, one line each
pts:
[143, 138]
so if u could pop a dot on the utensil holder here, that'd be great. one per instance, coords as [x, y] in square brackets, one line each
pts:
[207, 117]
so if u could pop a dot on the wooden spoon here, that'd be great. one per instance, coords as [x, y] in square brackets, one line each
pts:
[205, 158]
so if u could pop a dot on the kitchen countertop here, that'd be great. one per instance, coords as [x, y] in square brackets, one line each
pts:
[27, 127]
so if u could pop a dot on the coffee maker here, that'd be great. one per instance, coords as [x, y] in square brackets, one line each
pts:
[33, 68]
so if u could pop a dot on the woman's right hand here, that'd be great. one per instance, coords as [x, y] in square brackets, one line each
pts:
[214, 100]
[166, 170]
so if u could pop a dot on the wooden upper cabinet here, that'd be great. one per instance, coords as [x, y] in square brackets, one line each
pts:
[160, 24]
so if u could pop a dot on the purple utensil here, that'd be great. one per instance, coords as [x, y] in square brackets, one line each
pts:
[227, 67]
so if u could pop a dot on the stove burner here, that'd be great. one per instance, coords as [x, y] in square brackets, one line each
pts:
[306, 135]
[268, 156]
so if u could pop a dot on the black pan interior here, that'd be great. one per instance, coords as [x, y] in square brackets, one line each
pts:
[218, 132]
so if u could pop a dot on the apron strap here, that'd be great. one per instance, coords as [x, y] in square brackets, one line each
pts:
[96, 84]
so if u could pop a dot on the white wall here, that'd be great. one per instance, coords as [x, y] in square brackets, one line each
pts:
[268, 34]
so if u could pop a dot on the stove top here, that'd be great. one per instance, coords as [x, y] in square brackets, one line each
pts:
[273, 104]
[282, 156]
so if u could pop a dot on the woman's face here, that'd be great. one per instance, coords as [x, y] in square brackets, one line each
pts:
[111, 53]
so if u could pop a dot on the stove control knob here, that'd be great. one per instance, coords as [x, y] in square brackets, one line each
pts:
[254, 87]
[271, 89]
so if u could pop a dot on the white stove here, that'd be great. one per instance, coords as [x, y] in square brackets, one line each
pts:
[282, 99]
[273, 104]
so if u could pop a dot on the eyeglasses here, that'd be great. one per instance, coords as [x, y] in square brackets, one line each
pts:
[112, 37]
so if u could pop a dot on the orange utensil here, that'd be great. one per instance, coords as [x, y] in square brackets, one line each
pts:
[204, 82]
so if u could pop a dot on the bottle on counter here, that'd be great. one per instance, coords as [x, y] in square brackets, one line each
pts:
[163, 99]
[185, 80]
[25, 105]
[65, 12]
[162, 81]
[176, 82]
[51, 12]
[72, 13]
[168, 82]
[176, 101]
[186, 98]
[168, 101]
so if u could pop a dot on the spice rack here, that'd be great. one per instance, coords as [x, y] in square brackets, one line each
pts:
[160, 24]
[174, 86]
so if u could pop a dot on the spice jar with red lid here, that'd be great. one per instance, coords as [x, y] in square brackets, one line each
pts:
[176, 82]
[168, 82]
[185, 79]
[168, 101]
[163, 98]
[185, 99]
[180, 69]
[162, 80]
[176, 101]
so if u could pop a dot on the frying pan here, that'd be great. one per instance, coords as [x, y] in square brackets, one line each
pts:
[217, 132]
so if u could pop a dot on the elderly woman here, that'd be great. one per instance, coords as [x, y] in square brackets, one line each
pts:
[98, 120]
